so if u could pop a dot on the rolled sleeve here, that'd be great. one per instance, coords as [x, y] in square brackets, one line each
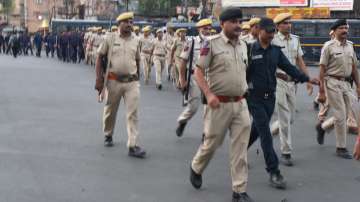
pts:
[324, 58]
[103, 48]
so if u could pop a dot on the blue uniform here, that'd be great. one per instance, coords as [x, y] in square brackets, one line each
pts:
[64, 46]
[74, 42]
[50, 43]
[261, 77]
[38, 43]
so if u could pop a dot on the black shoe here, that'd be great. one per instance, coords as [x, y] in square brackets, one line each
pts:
[343, 153]
[241, 197]
[286, 160]
[180, 129]
[137, 152]
[277, 180]
[316, 106]
[159, 87]
[320, 134]
[108, 141]
[195, 179]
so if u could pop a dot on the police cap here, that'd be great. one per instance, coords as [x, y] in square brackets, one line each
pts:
[338, 23]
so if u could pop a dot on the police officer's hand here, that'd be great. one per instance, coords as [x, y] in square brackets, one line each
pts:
[357, 150]
[322, 97]
[99, 85]
[309, 89]
[314, 81]
[213, 101]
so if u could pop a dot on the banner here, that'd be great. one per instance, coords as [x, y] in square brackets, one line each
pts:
[334, 5]
[263, 3]
[300, 13]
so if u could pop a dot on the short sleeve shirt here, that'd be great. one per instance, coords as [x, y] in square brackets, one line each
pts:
[124, 53]
[338, 58]
[186, 51]
[146, 43]
[159, 47]
[179, 46]
[224, 65]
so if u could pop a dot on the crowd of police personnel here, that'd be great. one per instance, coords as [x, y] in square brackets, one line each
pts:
[250, 69]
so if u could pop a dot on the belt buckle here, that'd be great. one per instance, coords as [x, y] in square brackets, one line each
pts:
[231, 99]
[266, 96]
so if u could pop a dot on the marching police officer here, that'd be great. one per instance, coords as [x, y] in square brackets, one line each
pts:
[286, 87]
[263, 62]
[204, 27]
[146, 43]
[220, 74]
[159, 53]
[252, 36]
[176, 49]
[337, 64]
[121, 81]
[169, 38]
[38, 43]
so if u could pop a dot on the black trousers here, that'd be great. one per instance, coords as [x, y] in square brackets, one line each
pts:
[262, 109]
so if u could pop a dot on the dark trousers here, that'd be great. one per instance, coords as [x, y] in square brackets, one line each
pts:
[27, 48]
[15, 51]
[38, 50]
[262, 109]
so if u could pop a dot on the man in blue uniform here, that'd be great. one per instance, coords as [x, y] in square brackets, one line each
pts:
[64, 43]
[50, 43]
[38, 43]
[264, 58]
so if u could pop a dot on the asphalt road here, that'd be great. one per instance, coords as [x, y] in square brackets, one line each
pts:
[51, 147]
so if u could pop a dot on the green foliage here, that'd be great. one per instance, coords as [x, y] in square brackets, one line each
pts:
[8, 6]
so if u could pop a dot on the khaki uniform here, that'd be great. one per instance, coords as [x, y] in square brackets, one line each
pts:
[286, 90]
[146, 45]
[159, 52]
[179, 46]
[194, 91]
[97, 38]
[338, 60]
[124, 53]
[249, 38]
[169, 42]
[89, 48]
[225, 67]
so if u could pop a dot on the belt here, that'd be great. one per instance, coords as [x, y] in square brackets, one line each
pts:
[284, 77]
[263, 94]
[146, 52]
[123, 78]
[160, 55]
[341, 78]
[226, 99]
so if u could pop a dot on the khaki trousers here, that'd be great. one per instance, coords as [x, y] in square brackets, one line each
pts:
[285, 106]
[130, 92]
[169, 64]
[340, 99]
[159, 63]
[235, 118]
[176, 71]
[193, 103]
[146, 63]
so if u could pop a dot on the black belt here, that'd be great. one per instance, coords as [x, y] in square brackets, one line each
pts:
[262, 94]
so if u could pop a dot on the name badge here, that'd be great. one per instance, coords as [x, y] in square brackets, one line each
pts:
[256, 57]
[116, 44]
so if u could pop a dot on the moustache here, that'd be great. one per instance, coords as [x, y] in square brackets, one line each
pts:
[344, 33]
[237, 29]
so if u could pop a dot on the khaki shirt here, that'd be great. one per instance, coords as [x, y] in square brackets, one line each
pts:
[198, 42]
[338, 58]
[224, 65]
[125, 52]
[179, 46]
[249, 38]
[169, 41]
[159, 47]
[97, 40]
[291, 47]
[146, 44]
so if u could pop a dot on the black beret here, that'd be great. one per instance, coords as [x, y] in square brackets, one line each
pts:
[230, 13]
[267, 24]
[338, 23]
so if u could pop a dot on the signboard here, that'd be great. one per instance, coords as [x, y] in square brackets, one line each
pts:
[263, 3]
[300, 13]
[334, 5]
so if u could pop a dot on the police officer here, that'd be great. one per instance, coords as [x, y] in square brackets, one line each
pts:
[159, 53]
[137, 31]
[169, 38]
[146, 43]
[204, 27]
[263, 62]
[2, 43]
[220, 74]
[177, 47]
[245, 29]
[121, 81]
[337, 64]
[96, 41]
[254, 31]
[38, 40]
[286, 87]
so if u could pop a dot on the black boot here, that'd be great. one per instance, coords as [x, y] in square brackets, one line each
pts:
[180, 129]
[241, 197]
[286, 160]
[277, 180]
[343, 153]
[195, 179]
[137, 152]
[108, 141]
